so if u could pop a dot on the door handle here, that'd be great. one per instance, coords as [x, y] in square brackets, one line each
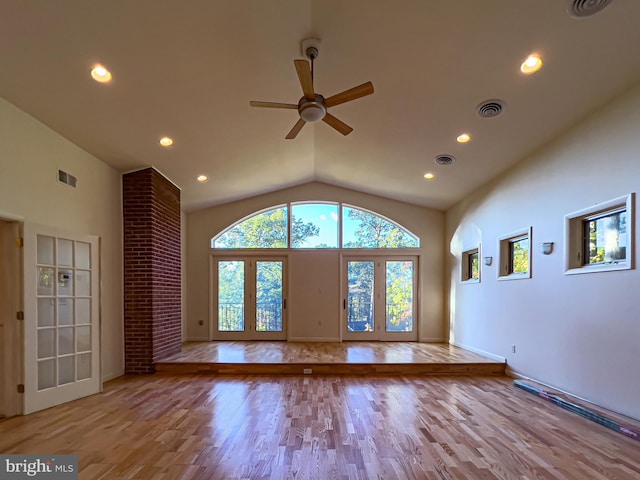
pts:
[344, 304]
[284, 304]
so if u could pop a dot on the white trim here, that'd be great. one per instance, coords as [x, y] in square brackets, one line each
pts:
[480, 352]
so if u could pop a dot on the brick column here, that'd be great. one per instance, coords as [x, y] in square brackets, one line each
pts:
[152, 269]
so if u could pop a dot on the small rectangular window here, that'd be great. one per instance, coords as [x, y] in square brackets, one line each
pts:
[605, 238]
[515, 255]
[599, 238]
[471, 266]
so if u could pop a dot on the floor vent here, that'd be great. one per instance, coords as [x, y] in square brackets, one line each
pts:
[67, 178]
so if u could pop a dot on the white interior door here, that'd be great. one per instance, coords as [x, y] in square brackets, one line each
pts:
[249, 298]
[61, 317]
[379, 300]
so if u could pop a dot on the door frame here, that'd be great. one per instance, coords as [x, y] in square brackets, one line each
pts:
[11, 295]
[379, 334]
[254, 257]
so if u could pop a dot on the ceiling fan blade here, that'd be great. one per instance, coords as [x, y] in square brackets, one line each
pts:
[339, 125]
[306, 80]
[295, 130]
[253, 103]
[351, 94]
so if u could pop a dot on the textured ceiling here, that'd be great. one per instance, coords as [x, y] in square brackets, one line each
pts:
[188, 68]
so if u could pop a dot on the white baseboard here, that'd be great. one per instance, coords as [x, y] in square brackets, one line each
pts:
[480, 352]
[314, 339]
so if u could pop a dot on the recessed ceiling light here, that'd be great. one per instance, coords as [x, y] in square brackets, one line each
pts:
[429, 176]
[100, 74]
[532, 64]
[202, 178]
[463, 138]
[166, 141]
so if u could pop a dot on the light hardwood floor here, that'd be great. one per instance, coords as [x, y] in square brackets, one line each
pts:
[351, 358]
[323, 427]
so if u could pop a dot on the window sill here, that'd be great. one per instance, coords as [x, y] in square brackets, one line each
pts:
[515, 276]
[607, 267]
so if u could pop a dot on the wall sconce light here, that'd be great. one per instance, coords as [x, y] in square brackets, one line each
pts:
[546, 248]
[488, 261]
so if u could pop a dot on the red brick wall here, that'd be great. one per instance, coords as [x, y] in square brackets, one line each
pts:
[152, 275]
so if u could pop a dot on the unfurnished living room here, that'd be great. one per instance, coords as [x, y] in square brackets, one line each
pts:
[427, 271]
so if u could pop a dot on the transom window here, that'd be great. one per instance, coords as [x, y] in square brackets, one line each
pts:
[315, 225]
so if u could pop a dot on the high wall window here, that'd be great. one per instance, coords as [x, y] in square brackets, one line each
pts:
[599, 238]
[471, 266]
[315, 225]
[515, 255]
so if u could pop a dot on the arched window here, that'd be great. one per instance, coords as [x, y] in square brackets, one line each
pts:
[364, 229]
[315, 225]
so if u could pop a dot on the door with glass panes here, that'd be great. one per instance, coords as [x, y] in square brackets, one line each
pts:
[61, 317]
[379, 298]
[249, 298]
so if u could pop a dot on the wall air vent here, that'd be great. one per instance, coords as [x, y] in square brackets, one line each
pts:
[67, 178]
[445, 160]
[586, 8]
[490, 108]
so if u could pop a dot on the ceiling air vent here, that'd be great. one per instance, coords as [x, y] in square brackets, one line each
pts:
[586, 8]
[445, 160]
[67, 178]
[490, 108]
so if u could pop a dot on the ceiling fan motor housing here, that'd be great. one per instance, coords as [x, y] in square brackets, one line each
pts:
[312, 110]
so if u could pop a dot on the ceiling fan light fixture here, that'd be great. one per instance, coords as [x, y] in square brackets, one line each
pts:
[312, 110]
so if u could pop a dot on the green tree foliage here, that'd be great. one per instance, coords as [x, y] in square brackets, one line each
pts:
[266, 230]
[374, 231]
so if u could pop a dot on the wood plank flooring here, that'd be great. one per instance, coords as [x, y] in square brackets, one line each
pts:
[322, 427]
[345, 358]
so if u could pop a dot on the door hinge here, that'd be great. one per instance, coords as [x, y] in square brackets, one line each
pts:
[19, 242]
[19, 315]
[21, 388]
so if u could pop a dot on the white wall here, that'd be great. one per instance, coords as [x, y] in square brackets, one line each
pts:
[579, 333]
[314, 294]
[30, 156]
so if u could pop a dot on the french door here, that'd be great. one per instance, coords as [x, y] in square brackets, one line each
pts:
[379, 298]
[61, 317]
[249, 301]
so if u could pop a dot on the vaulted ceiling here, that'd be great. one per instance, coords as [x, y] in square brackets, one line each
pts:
[188, 69]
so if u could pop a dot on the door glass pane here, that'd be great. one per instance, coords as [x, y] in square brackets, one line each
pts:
[399, 296]
[360, 296]
[46, 312]
[268, 296]
[46, 342]
[83, 311]
[65, 311]
[45, 281]
[83, 366]
[231, 296]
[45, 250]
[83, 339]
[46, 374]
[66, 370]
[65, 253]
[83, 255]
[65, 282]
[83, 283]
[65, 340]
